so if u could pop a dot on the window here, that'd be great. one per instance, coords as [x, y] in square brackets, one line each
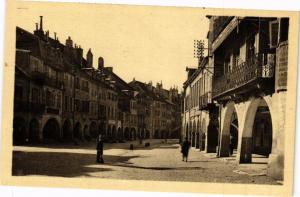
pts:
[35, 95]
[58, 101]
[77, 84]
[284, 29]
[71, 104]
[66, 103]
[77, 105]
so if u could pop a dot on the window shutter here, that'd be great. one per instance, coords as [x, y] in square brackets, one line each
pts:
[273, 29]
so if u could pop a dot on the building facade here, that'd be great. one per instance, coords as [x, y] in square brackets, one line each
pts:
[248, 58]
[62, 96]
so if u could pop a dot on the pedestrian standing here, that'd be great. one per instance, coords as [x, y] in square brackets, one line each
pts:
[100, 149]
[185, 149]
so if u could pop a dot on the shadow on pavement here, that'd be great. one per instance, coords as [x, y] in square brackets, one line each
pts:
[158, 168]
[59, 164]
[204, 161]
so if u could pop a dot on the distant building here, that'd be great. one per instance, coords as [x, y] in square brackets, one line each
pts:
[62, 96]
[159, 110]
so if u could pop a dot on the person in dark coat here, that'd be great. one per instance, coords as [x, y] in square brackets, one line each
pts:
[100, 149]
[185, 149]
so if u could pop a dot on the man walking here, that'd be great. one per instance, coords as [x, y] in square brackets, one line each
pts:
[185, 149]
[100, 149]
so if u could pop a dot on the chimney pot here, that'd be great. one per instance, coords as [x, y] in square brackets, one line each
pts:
[41, 23]
[100, 63]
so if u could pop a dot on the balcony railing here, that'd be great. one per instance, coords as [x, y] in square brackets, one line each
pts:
[205, 100]
[53, 83]
[38, 77]
[42, 79]
[245, 73]
[51, 110]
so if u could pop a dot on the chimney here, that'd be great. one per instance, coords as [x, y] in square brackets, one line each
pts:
[89, 59]
[100, 63]
[54, 35]
[69, 42]
[47, 35]
[41, 23]
[36, 26]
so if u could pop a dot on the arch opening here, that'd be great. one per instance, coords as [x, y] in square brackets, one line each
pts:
[229, 131]
[78, 131]
[93, 129]
[257, 134]
[51, 130]
[67, 131]
[19, 131]
[34, 131]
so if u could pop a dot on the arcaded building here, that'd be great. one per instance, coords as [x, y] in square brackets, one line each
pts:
[62, 96]
[249, 56]
[200, 114]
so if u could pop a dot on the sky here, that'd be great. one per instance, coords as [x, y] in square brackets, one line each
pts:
[146, 43]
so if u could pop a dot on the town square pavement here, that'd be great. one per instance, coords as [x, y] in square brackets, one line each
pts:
[160, 161]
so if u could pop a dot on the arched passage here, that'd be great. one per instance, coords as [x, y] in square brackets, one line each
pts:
[19, 131]
[229, 116]
[67, 130]
[187, 130]
[133, 133]
[257, 132]
[203, 136]
[109, 131]
[114, 132]
[93, 129]
[212, 133]
[197, 142]
[34, 131]
[126, 133]
[51, 129]
[102, 129]
[190, 132]
[78, 131]
[163, 134]
[147, 134]
[156, 134]
[120, 133]
[193, 140]
[86, 132]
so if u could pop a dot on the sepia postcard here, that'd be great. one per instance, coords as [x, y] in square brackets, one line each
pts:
[149, 98]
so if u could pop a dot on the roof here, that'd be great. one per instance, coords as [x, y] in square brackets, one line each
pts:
[203, 64]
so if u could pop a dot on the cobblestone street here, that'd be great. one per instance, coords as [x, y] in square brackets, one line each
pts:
[160, 161]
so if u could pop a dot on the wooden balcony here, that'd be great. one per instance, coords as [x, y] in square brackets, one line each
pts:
[245, 78]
